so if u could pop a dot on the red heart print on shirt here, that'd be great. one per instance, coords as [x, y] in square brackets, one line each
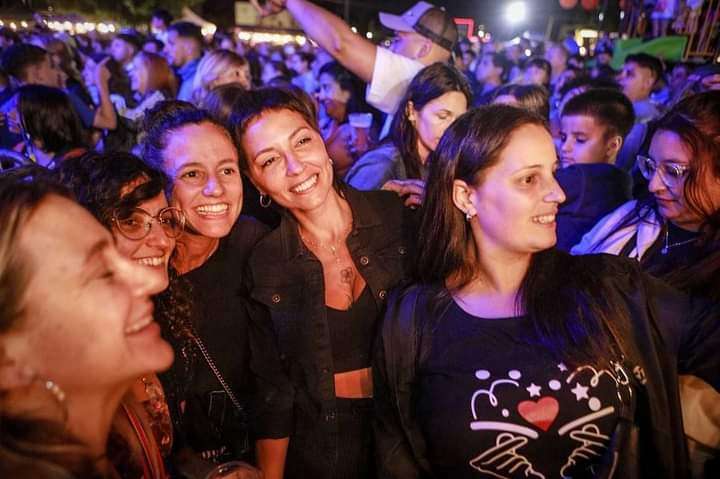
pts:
[541, 413]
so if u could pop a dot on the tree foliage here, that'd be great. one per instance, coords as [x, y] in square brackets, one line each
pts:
[119, 10]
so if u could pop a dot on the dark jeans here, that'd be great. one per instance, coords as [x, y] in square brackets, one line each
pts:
[317, 453]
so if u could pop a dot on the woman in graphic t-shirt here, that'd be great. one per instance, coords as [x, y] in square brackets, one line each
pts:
[513, 359]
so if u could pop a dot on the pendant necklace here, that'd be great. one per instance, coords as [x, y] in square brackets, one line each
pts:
[668, 246]
[332, 247]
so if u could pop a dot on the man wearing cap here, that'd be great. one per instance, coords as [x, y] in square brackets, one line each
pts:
[425, 34]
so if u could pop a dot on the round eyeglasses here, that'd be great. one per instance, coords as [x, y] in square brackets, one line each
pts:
[136, 223]
[671, 174]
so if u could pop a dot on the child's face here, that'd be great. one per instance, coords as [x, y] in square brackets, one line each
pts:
[583, 140]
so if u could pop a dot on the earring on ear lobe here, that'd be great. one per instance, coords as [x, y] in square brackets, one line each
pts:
[330, 160]
[468, 216]
[265, 200]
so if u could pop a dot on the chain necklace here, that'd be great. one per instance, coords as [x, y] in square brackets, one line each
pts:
[668, 246]
[332, 246]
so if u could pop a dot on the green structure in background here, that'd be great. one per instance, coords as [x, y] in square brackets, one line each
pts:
[667, 48]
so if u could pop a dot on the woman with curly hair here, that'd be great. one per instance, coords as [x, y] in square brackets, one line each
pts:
[76, 332]
[127, 197]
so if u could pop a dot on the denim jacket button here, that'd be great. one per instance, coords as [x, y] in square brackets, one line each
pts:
[382, 294]
[275, 298]
[364, 260]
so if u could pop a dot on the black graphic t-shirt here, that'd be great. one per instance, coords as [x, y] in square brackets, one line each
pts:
[491, 405]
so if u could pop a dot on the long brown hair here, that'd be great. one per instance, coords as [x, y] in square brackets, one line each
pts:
[430, 83]
[567, 303]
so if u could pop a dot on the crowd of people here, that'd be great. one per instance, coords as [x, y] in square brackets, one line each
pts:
[431, 258]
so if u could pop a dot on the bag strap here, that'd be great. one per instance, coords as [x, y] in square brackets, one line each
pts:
[216, 372]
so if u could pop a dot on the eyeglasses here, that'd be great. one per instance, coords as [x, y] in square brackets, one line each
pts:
[136, 223]
[670, 174]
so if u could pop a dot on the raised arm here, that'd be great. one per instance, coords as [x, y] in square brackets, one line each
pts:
[330, 32]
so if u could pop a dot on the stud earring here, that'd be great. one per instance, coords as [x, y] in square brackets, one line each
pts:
[468, 216]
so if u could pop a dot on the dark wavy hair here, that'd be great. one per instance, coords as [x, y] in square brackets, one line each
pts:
[430, 83]
[98, 181]
[47, 115]
[161, 122]
[567, 304]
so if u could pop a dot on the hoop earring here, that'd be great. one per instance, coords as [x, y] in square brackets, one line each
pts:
[265, 201]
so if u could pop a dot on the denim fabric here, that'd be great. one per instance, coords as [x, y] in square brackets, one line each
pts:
[288, 279]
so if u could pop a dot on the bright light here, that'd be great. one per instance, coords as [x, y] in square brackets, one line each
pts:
[2, 24]
[601, 16]
[481, 33]
[24, 24]
[13, 26]
[369, 35]
[111, 27]
[583, 51]
[622, 15]
[528, 52]
[516, 12]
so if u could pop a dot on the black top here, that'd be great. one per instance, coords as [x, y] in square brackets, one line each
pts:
[238, 337]
[665, 333]
[683, 250]
[592, 191]
[492, 405]
[351, 333]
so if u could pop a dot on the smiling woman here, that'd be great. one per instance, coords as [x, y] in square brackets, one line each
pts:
[237, 392]
[324, 274]
[61, 281]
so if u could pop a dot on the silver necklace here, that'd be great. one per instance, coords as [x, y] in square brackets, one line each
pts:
[667, 247]
[332, 247]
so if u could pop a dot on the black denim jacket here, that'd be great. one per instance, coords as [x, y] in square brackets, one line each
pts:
[286, 277]
[667, 334]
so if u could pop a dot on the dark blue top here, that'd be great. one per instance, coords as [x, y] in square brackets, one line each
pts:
[592, 191]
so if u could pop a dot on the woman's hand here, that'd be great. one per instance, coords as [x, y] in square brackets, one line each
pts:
[412, 190]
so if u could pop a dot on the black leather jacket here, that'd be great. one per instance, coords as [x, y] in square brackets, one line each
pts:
[288, 279]
[667, 333]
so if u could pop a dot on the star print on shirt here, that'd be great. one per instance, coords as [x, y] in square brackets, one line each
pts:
[534, 390]
[580, 391]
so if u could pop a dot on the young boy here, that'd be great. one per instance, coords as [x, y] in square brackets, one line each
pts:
[593, 127]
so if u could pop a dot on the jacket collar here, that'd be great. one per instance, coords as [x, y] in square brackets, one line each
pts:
[365, 216]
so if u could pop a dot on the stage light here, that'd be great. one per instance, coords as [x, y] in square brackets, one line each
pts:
[516, 12]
